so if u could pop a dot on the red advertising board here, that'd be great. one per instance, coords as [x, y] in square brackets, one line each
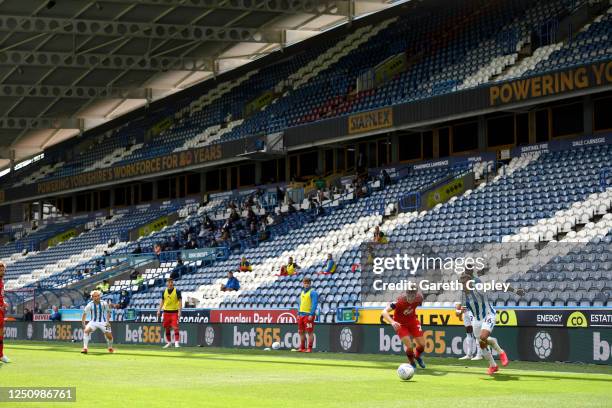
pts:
[272, 316]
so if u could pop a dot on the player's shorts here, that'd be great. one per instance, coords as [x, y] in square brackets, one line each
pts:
[468, 318]
[488, 324]
[170, 319]
[412, 328]
[93, 326]
[305, 325]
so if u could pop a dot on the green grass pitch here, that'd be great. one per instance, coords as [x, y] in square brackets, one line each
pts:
[147, 376]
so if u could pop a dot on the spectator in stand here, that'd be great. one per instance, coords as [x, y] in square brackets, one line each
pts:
[28, 315]
[360, 163]
[232, 283]
[321, 196]
[264, 230]
[245, 265]
[312, 204]
[251, 216]
[208, 223]
[290, 269]
[157, 249]
[124, 300]
[193, 244]
[173, 245]
[179, 270]
[379, 236]
[330, 265]
[253, 228]
[234, 216]
[385, 178]
[134, 274]
[104, 286]
[86, 295]
[290, 203]
[185, 234]
[56, 316]
[137, 250]
[139, 280]
[280, 195]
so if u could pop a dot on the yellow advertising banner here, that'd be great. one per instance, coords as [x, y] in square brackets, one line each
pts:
[445, 192]
[364, 122]
[436, 317]
[160, 126]
[140, 168]
[153, 226]
[64, 236]
[551, 84]
[256, 104]
[388, 69]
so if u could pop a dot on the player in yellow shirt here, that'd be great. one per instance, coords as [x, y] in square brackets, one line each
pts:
[307, 313]
[171, 306]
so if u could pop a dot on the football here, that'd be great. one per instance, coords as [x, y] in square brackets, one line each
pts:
[405, 371]
[276, 345]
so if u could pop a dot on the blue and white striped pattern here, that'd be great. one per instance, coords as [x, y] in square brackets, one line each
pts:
[97, 312]
[478, 303]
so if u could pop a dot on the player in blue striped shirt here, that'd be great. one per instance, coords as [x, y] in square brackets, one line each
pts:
[100, 315]
[477, 303]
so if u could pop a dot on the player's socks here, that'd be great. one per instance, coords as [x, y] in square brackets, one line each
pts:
[487, 354]
[109, 343]
[177, 336]
[1, 348]
[469, 343]
[310, 344]
[492, 341]
[85, 341]
[417, 356]
[302, 348]
[410, 355]
[168, 336]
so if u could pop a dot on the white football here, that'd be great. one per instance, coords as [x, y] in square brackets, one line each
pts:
[405, 372]
[275, 345]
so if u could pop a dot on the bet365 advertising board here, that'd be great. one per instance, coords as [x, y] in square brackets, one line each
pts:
[587, 345]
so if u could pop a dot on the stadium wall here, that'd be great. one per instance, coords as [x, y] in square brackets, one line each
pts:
[584, 345]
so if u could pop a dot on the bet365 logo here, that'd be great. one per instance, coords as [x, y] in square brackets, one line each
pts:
[601, 348]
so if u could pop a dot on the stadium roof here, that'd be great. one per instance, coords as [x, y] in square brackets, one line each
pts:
[69, 65]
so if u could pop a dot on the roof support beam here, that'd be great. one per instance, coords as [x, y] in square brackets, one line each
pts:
[277, 6]
[65, 59]
[41, 123]
[30, 24]
[56, 91]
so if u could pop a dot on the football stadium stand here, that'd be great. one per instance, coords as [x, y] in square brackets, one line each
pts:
[557, 197]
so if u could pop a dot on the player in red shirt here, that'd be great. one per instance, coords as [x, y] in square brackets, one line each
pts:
[3, 305]
[406, 324]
